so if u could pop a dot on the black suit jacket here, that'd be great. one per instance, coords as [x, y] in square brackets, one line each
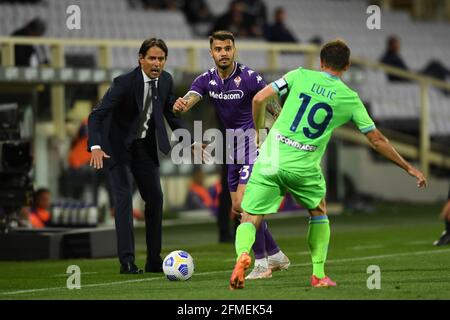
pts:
[113, 123]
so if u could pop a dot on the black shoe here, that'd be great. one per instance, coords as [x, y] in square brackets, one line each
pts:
[443, 240]
[130, 268]
[154, 268]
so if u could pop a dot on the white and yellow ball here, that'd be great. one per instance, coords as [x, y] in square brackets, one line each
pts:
[178, 265]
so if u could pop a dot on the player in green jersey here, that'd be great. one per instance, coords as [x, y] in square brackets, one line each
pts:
[317, 103]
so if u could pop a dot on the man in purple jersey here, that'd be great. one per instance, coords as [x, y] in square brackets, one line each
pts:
[231, 87]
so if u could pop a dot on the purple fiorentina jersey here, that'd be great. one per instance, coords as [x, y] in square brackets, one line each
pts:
[232, 96]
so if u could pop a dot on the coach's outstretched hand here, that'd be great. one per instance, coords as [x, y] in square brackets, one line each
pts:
[97, 156]
[421, 180]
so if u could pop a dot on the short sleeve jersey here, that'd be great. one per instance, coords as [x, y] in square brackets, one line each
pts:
[232, 96]
[317, 103]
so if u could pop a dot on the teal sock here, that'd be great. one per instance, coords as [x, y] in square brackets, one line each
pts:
[245, 236]
[318, 240]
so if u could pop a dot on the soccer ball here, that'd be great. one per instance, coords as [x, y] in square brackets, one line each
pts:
[178, 265]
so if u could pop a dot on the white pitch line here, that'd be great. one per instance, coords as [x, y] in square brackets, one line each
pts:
[60, 275]
[83, 286]
[227, 271]
[373, 246]
[413, 243]
[389, 256]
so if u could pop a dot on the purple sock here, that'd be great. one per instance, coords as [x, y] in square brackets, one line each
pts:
[271, 245]
[259, 247]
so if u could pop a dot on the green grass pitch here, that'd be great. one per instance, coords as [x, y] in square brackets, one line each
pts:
[397, 238]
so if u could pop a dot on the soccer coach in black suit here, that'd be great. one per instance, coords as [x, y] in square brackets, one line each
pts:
[127, 128]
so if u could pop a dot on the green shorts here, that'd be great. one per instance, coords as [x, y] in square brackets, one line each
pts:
[264, 192]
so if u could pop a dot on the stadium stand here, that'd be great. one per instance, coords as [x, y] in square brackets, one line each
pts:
[395, 105]
[114, 19]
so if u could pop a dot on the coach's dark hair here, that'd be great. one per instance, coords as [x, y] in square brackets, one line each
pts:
[221, 35]
[335, 54]
[153, 42]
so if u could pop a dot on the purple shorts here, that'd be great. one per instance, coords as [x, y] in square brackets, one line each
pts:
[238, 174]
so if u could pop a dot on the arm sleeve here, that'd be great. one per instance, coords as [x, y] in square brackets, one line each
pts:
[361, 118]
[111, 98]
[257, 83]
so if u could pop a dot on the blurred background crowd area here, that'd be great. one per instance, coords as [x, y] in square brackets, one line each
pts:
[413, 37]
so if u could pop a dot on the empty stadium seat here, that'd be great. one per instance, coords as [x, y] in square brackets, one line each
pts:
[421, 41]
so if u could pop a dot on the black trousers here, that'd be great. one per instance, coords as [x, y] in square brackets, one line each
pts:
[143, 166]
[223, 216]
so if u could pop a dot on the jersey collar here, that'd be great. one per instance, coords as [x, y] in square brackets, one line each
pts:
[330, 75]
[231, 74]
